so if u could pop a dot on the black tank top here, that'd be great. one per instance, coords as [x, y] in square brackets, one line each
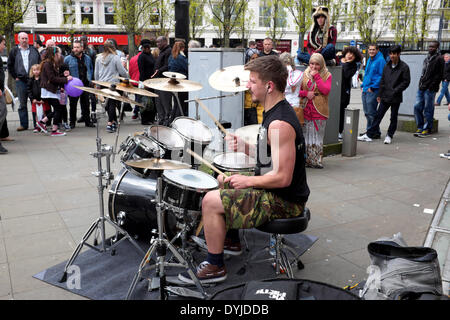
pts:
[298, 190]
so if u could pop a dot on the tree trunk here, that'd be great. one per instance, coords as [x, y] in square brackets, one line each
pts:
[131, 45]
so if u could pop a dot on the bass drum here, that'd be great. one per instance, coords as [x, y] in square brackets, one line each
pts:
[130, 206]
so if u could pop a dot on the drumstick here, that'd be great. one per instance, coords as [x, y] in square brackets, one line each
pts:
[196, 156]
[211, 116]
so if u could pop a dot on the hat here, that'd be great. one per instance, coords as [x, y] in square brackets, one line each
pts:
[145, 43]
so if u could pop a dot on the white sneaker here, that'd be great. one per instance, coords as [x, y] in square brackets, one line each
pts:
[388, 140]
[340, 137]
[365, 138]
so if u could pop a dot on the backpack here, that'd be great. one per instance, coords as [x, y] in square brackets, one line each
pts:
[399, 272]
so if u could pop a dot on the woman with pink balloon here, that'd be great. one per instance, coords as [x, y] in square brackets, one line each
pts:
[51, 82]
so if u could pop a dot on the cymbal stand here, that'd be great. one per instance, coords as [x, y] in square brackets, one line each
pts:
[160, 246]
[197, 116]
[106, 151]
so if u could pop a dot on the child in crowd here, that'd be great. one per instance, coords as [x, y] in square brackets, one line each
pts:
[39, 108]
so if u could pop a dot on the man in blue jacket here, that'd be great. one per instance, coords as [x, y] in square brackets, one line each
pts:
[80, 66]
[371, 85]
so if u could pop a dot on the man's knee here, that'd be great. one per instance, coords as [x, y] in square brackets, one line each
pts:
[211, 203]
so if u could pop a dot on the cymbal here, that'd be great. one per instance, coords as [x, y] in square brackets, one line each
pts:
[176, 75]
[125, 88]
[122, 79]
[230, 79]
[109, 94]
[157, 164]
[172, 84]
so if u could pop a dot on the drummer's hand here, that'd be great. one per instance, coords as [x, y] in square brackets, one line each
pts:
[221, 179]
[235, 143]
[238, 181]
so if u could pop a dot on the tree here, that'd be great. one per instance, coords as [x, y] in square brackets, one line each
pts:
[335, 9]
[425, 14]
[225, 17]
[245, 25]
[366, 13]
[133, 16]
[197, 18]
[404, 21]
[274, 19]
[11, 13]
[301, 12]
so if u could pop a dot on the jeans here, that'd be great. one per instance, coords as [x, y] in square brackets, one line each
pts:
[370, 103]
[424, 109]
[444, 92]
[328, 53]
[384, 107]
[22, 93]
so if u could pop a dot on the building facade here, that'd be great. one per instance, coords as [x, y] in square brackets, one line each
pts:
[57, 19]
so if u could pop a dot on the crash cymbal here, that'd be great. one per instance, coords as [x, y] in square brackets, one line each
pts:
[157, 164]
[125, 87]
[230, 79]
[172, 84]
[107, 93]
[122, 79]
[176, 75]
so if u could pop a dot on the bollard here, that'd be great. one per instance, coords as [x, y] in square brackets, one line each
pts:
[351, 122]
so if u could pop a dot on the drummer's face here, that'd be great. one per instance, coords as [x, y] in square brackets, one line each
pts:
[256, 87]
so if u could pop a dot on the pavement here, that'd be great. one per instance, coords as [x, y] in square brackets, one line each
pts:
[49, 198]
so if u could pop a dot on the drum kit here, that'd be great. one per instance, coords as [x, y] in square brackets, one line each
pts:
[158, 193]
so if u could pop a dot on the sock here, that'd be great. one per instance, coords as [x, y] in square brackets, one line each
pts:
[215, 259]
[233, 235]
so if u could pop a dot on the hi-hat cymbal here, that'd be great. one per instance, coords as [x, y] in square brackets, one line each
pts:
[109, 94]
[172, 84]
[230, 79]
[157, 164]
[123, 87]
[176, 75]
[122, 79]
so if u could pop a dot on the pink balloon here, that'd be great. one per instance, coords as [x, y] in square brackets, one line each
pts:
[71, 90]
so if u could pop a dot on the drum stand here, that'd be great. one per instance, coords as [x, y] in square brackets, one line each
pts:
[103, 150]
[160, 246]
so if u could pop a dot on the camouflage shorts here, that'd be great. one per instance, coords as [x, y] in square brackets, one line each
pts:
[250, 208]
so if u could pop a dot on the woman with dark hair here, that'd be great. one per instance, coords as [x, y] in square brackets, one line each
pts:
[108, 66]
[179, 63]
[351, 57]
[51, 83]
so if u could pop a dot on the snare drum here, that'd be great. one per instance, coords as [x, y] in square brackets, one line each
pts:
[185, 188]
[196, 135]
[168, 139]
[234, 162]
[140, 147]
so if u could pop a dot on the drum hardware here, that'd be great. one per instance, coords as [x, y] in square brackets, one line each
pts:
[197, 116]
[160, 245]
[230, 79]
[103, 151]
[157, 164]
[225, 132]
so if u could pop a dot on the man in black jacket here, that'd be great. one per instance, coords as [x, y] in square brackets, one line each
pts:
[20, 60]
[432, 75]
[395, 79]
[445, 81]
[146, 66]
[164, 100]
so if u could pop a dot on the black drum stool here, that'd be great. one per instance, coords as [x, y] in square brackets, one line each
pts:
[278, 228]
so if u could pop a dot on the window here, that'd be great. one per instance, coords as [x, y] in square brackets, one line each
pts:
[69, 13]
[41, 12]
[87, 13]
[109, 13]
[445, 24]
[343, 26]
[445, 3]
[352, 26]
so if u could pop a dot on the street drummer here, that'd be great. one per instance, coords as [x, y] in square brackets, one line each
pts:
[278, 189]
